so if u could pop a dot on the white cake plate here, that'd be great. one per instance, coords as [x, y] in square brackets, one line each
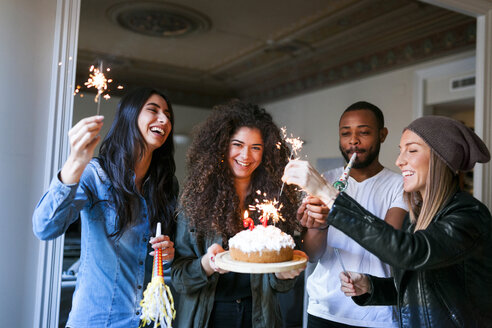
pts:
[225, 262]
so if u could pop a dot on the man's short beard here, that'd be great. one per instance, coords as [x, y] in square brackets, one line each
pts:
[372, 156]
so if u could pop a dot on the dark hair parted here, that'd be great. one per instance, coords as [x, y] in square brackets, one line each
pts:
[124, 146]
[361, 105]
[209, 198]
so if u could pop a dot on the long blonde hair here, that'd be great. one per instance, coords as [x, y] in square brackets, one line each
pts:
[440, 185]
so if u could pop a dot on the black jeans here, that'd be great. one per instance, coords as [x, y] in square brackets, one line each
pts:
[316, 322]
[234, 314]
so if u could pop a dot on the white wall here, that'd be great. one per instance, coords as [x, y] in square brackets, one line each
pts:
[185, 119]
[314, 116]
[438, 89]
[26, 39]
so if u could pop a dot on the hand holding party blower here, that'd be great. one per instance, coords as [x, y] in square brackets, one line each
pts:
[157, 303]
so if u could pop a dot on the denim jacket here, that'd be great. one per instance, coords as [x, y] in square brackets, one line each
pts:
[110, 281]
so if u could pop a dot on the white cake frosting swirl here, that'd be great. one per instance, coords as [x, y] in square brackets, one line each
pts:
[261, 239]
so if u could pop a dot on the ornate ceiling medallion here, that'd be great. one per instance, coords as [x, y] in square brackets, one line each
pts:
[158, 19]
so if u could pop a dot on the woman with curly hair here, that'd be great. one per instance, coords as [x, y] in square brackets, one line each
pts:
[235, 153]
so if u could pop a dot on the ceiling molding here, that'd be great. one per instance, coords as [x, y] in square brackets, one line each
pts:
[447, 42]
[331, 44]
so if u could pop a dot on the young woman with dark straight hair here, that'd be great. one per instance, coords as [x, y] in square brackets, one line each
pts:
[120, 196]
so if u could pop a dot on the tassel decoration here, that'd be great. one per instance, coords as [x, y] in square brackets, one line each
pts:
[157, 303]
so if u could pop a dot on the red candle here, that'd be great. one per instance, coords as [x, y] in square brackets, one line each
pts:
[248, 222]
[264, 220]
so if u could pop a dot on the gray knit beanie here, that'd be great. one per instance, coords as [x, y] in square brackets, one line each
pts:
[457, 145]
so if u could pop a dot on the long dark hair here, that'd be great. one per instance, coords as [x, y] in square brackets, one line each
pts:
[209, 198]
[122, 147]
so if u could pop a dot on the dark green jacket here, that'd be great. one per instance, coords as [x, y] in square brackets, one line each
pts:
[197, 291]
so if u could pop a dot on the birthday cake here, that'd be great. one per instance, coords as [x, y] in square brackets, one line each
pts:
[262, 245]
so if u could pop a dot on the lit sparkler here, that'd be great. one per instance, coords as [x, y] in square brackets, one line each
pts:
[98, 80]
[269, 209]
[295, 143]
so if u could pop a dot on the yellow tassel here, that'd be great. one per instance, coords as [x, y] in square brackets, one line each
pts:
[157, 302]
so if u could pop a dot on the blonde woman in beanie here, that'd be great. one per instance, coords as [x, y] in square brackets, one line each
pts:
[442, 257]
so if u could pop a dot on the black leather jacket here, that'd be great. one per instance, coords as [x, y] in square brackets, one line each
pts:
[442, 275]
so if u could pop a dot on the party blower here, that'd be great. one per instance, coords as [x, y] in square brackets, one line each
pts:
[157, 303]
[340, 185]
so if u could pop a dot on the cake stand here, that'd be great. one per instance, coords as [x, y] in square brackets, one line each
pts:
[225, 262]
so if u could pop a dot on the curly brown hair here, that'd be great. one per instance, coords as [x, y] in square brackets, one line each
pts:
[209, 198]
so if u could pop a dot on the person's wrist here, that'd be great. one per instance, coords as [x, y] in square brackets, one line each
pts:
[207, 266]
[369, 283]
[71, 171]
[322, 227]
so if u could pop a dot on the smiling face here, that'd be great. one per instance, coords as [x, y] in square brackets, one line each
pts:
[413, 162]
[154, 122]
[359, 132]
[245, 152]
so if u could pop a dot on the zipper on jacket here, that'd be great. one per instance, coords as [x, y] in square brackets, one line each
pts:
[398, 304]
[422, 300]
[452, 315]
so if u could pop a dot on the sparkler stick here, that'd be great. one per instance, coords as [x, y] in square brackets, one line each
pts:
[337, 253]
[98, 91]
[296, 144]
[270, 209]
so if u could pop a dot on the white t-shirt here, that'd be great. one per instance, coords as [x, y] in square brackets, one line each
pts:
[376, 194]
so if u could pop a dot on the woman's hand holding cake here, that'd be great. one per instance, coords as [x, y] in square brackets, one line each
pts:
[292, 273]
[208, 260]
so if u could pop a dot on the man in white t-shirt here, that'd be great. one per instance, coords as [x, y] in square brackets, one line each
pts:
[376, 188]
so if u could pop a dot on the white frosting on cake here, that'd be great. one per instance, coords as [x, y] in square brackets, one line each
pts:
[261, 238]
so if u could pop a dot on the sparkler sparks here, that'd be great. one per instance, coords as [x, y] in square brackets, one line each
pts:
[98, 81]
[269, 209]
[295, 143]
